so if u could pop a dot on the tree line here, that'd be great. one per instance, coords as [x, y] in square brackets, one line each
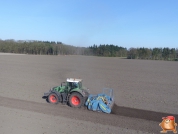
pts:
[106, 50]
[153, 54]
[40, 47]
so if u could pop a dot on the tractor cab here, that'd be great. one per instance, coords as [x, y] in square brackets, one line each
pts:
[73, 83]
[70, 84]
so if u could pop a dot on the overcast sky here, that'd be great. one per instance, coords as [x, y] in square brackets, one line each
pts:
[126, 23]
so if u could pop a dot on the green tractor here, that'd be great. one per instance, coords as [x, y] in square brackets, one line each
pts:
[70, 92]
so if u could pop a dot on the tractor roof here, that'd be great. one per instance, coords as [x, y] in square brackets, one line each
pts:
[73, 80]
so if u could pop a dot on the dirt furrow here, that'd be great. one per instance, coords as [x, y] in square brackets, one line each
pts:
[124, 119]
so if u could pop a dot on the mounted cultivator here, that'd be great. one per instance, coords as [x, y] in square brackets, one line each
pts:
[74, 94]
[101, 102]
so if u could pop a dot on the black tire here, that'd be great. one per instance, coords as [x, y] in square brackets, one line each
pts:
[76, 100]
[53, 98]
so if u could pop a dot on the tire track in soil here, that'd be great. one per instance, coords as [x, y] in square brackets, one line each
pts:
[139, 113]
[122, 117]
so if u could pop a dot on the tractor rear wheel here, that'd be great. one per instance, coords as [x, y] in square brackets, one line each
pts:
[53, 98]
[76, 100]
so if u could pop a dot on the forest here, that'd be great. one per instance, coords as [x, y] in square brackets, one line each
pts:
[153, 54]
[108, 50]
[40, 47]
[36, 47]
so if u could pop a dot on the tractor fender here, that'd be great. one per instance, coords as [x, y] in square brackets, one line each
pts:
[46, 95]
[76, 92]
[80, 92]
[49, 92]
[58, 94]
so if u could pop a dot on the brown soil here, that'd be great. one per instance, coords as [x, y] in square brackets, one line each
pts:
[144, 91]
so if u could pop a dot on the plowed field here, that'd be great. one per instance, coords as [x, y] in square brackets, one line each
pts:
[144, 91]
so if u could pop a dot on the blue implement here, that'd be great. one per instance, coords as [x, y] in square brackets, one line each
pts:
[101, 102]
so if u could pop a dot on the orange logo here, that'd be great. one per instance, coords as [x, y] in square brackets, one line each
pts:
[168, 124]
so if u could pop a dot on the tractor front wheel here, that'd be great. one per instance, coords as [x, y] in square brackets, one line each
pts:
[53, 98]
[76, 100]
